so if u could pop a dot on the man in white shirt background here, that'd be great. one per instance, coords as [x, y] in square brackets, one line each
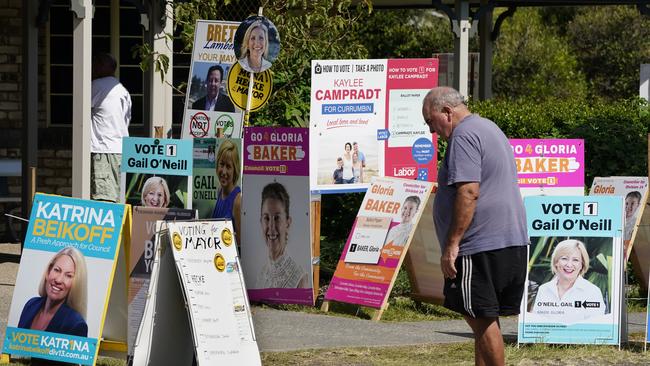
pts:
[111, 114]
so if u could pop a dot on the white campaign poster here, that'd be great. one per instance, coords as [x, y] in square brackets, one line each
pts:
[209, 110]
[635, 192]
[366, 121]
[211, 277]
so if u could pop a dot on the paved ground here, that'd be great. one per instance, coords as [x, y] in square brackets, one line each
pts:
[285, 330]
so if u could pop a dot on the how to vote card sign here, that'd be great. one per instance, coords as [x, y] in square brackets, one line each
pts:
[64, 279]
[276, 240]
[156, 172]
[213, 284]
[635, 192]
[550, 167]
[371, 257]
[366, 121]
[209, 110]
[574, 286]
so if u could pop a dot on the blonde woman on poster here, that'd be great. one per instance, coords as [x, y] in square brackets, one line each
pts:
[155, 193]
[254, 48]
[228, 203]
[568, 297]
[61, 304]
[398, 235]
[280, 270]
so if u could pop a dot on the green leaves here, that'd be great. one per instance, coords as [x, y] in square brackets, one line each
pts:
[615, 133]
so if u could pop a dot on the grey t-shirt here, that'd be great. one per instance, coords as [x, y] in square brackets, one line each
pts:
[478, 151]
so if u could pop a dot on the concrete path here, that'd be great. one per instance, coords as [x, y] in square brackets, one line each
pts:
[287, 331]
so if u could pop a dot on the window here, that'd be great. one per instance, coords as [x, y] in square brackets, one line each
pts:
[114, 34]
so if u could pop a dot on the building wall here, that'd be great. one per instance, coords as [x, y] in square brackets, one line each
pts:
[54, 171]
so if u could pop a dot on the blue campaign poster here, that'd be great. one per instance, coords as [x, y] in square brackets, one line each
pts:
[64, 279]
[574, 284]
[156, 172]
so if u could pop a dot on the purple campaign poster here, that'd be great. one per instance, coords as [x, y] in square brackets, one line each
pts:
[276, 242]
[550, 167]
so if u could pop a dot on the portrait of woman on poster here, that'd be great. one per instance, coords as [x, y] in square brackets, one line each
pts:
[632, 202]
[558, 297]
[398, 235]
[348, 171]
[61, 304]
[255, 48]
[280, 270]
[228, 205]
[155, 193]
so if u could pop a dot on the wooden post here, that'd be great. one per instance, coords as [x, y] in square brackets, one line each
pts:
[315, 241]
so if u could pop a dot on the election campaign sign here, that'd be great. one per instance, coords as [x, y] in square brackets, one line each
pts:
[276, 245]
[366, 121]
[635, 192]
[64, 279]
[156, 172]
[550, 167]
[575, 272]
[369, 284]
[209, 110]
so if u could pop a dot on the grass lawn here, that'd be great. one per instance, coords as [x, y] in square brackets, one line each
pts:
[462, 354]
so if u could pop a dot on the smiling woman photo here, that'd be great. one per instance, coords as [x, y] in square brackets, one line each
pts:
[228, 205]
[398, 235]
[155, 193]
[568, 296]
[280, 270]
[61, 304]
[255, 48]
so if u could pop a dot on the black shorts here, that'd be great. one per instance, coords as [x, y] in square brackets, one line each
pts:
[488, 284]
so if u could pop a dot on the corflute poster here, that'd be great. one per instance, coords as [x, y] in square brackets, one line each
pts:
[635, 192]
[209, 110]
[550, 167]
[366, 121]
[276, 241]
[64, 279]
[360, 281]
[573, 292]
[157, 172]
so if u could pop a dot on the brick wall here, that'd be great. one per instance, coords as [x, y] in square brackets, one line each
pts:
[54, 170]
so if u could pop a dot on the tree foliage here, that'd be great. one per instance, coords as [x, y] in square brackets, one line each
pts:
[610, 42]
[310, 30]
[402, 33]
[532, 61]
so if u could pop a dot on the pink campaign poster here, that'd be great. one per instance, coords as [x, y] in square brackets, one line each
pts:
[276, 242]
[550, 167]
[410, 151]
[359, 280]
[366, 121]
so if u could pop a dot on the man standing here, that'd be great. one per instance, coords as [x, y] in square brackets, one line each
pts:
[111, 114]
[480, 221]
[214, 100]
